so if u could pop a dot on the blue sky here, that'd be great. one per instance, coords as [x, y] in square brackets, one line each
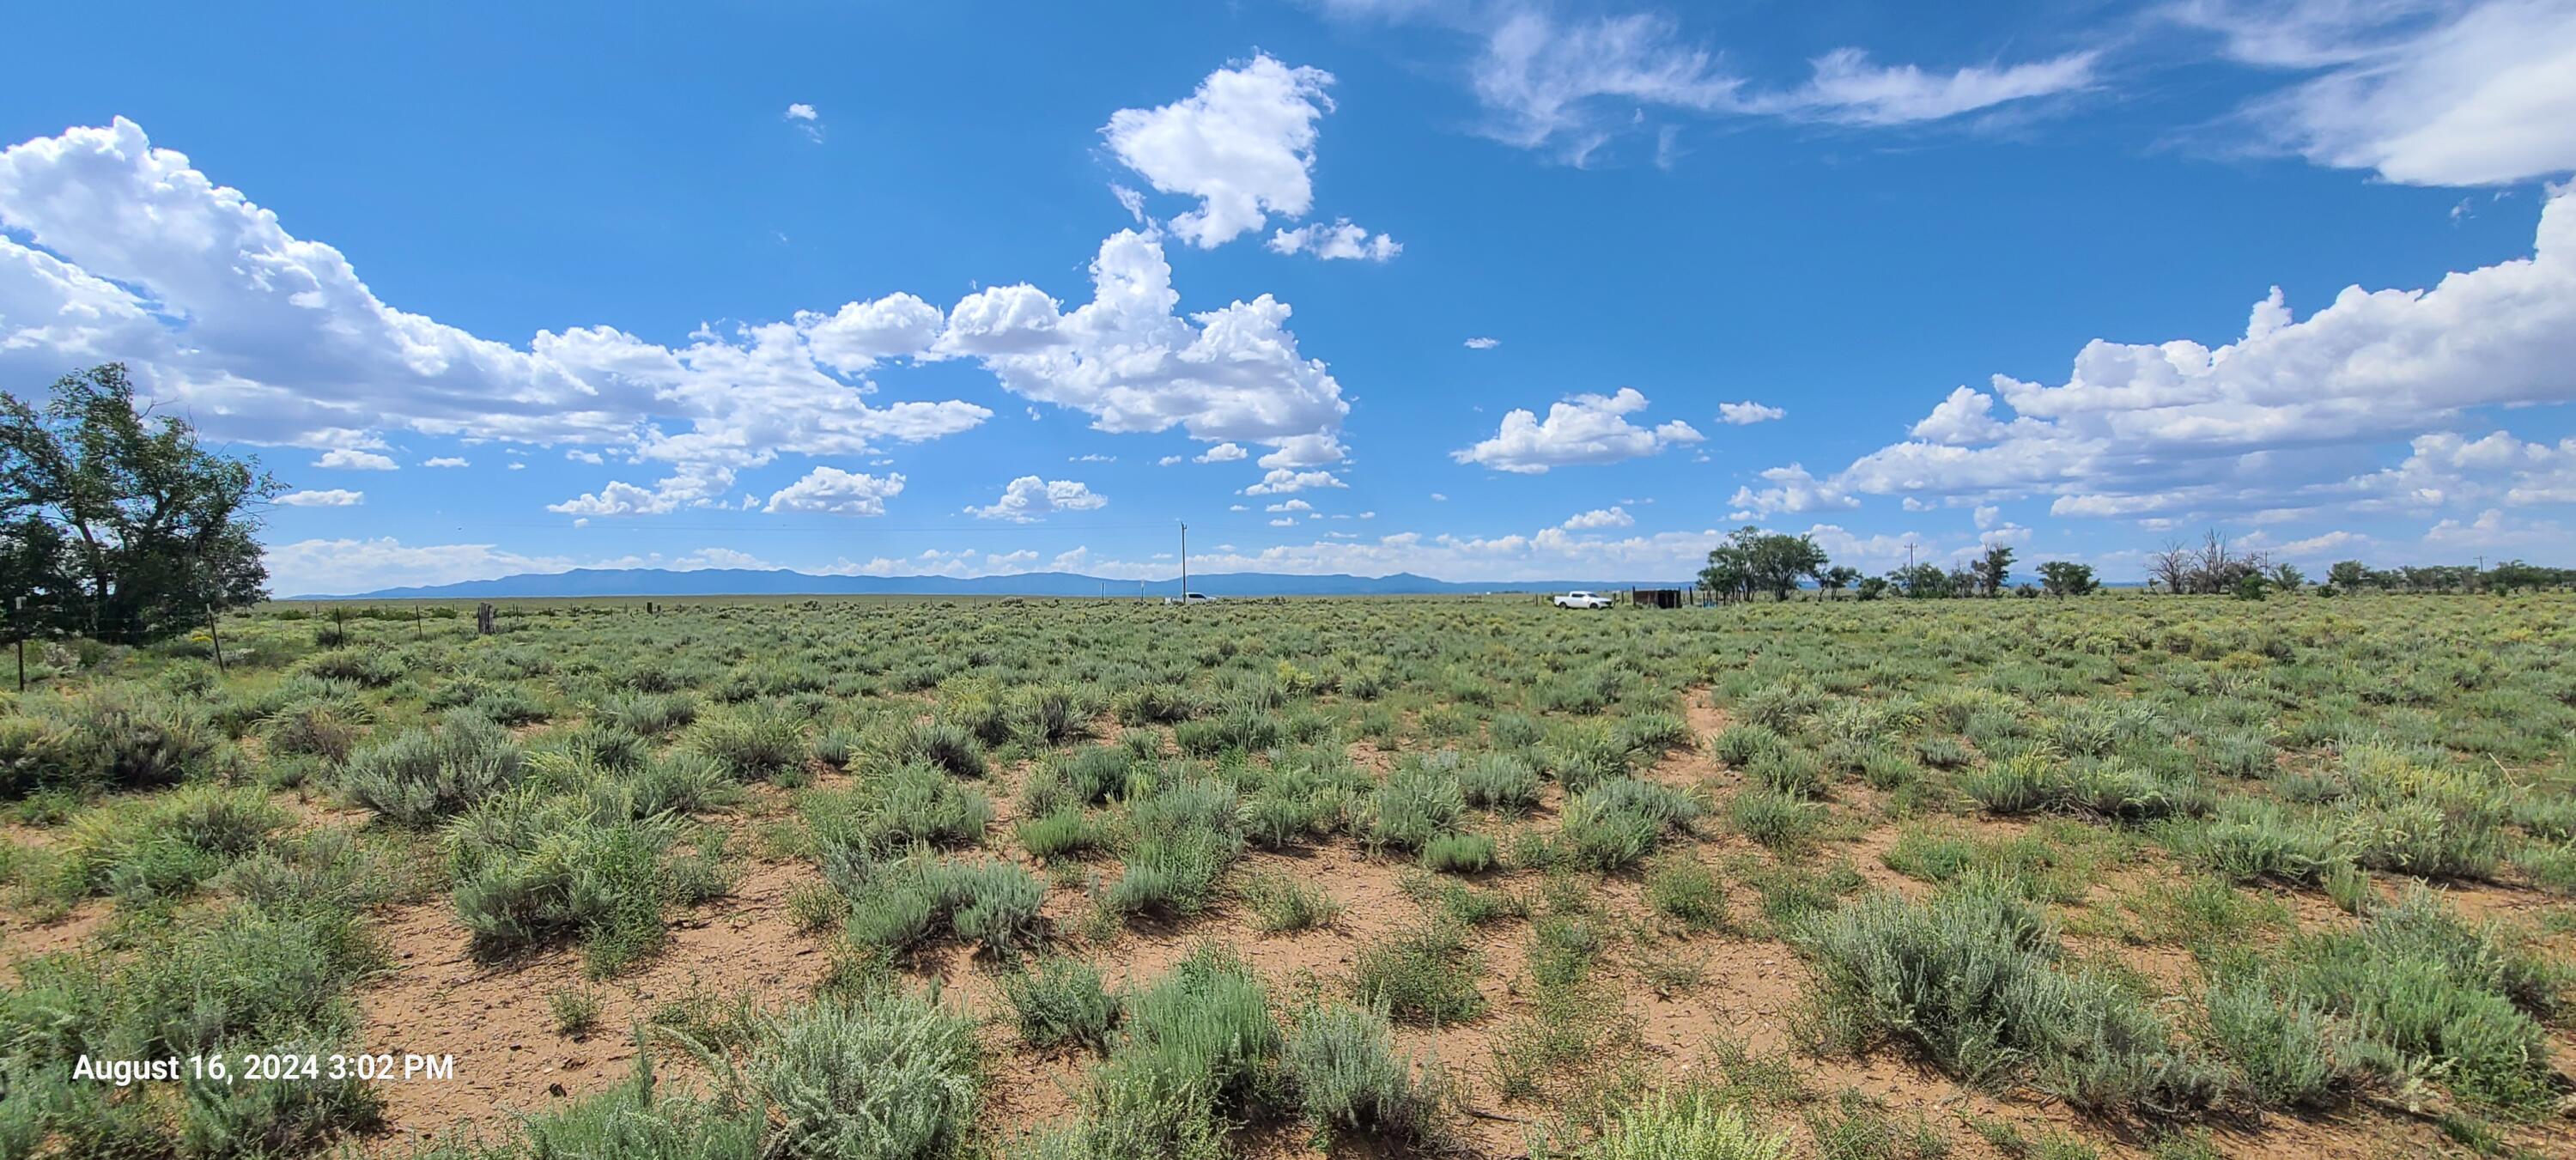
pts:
[1513, 290]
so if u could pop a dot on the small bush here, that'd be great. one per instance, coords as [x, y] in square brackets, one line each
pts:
[1059, 1002]
[1971, 978]
[1692, 1125]
[1459, 853]
[753, 742]
[119, 737]
[161, 847]
[2441, 993]
[1066, 831]
[1617, 822]
[2014, 785]
[647, 714]
[1191, 1050]
[576, 1010]
[529, 868]
[424, 775]
[1342, 1063]
[1414, 805]
[889, 1078]
[1790, 773]
[2289, 1052]
[325, 729]
[896, 904]
[1503, 782]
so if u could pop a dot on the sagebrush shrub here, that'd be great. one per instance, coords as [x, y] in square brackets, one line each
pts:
[1503, 782]
[1971, 977]
[125, 737]
[887, 1078]
[423, 775]
[1414, 805]
[1693, 1124]
[753, 742]
[1342, 1062]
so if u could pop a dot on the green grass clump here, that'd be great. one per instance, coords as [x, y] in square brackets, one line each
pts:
[1459, 853]
[2257, 839]
[1061, 1002]
[1064, 832]
[1688, 893]
[647, 714]
[1971, 978]
[898, 903]
[108, 737]
[1426, 975]
[912, 805]
[1617, 822]
[1186, 836]
[1782, 823]
[275, 973]
[141, 849]
[1192, 1051]
[530, 867]
[2288, 1051]
[1281, 904]
[2460, 999]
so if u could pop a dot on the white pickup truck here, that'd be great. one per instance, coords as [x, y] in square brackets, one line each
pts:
[1190, 598]
[1582, 600]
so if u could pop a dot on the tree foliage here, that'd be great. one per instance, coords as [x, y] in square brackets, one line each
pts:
[1751, 560]
[114, 522]
[2065, 578]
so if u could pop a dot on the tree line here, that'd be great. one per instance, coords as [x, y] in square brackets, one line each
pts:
[1751, 562]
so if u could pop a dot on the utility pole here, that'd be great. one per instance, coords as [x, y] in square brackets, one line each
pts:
[1185, 563]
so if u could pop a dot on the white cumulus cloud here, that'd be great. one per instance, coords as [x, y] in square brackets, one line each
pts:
[2274, 419]
[1582, 429]
[837, 492]
[1030, 498]
[1243, 145]
[1747, 413]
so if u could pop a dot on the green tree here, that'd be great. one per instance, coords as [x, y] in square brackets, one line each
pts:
[2066, 578]
[2348, 574]
[2288, 578]
[1993, 570]
[1921, 581]
[1837, 578]
[1751, 560]
[116, 523]
[1872, 587]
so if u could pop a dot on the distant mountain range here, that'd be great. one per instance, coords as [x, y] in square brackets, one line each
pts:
[782, 582]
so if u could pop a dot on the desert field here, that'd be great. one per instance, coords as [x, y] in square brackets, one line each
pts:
[2122, 875]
